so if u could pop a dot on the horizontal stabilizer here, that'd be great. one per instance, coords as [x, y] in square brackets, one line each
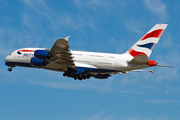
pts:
[164, 66]
[140, 59]
[143, 70]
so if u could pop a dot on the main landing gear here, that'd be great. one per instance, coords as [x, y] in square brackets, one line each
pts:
[79, 76]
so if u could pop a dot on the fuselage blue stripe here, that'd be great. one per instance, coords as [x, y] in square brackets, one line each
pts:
[18, 64]
[81, 69]
[86, 69]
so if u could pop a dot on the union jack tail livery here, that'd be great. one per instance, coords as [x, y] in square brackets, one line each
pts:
[147, 43]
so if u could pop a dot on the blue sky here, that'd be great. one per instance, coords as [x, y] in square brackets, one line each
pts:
[97, 26]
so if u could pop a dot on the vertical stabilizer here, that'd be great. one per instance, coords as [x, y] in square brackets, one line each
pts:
[147, 43]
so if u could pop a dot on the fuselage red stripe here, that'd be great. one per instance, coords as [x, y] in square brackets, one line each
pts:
[26, 50]
[134, 53]
[156, 33]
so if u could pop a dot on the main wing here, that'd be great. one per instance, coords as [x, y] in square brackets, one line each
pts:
[61, 55]
[61, 44]
[62, 59]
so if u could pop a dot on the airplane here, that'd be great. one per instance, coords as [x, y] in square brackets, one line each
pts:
[83, 65]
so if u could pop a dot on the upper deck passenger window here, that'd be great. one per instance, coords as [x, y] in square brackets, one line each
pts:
[95, 55]
[78, 54]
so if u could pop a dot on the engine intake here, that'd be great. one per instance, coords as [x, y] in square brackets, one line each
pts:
[37, 62]
[42, 54]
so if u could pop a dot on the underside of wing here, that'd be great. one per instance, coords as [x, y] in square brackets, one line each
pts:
[61, 44]
[61, 55]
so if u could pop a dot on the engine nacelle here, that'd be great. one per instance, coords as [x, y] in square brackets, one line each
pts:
[37, 62]
[102, 76]
[42, 54]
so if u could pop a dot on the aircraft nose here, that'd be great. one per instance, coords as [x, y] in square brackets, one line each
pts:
[7, 59]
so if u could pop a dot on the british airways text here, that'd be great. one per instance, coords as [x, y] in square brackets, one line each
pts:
[28, 55]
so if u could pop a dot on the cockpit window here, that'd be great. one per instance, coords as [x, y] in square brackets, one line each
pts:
[9, 54]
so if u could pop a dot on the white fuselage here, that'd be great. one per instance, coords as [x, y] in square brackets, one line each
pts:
[81, 65]
[93, 60]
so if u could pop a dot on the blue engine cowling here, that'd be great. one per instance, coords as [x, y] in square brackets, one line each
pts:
[37, 62]
[42, 54]
[102, 76]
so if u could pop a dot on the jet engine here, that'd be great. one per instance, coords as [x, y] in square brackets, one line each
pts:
[42, 54]
[102, 76]
[37, 62]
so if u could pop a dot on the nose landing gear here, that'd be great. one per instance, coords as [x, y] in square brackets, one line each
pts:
[9, 69]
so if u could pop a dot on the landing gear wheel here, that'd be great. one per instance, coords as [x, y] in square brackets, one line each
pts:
[64, 74]
[83, 77]
[79, 78]
[75, 77]
[9, 69]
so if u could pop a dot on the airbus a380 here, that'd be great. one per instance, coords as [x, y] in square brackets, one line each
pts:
[81, 65]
